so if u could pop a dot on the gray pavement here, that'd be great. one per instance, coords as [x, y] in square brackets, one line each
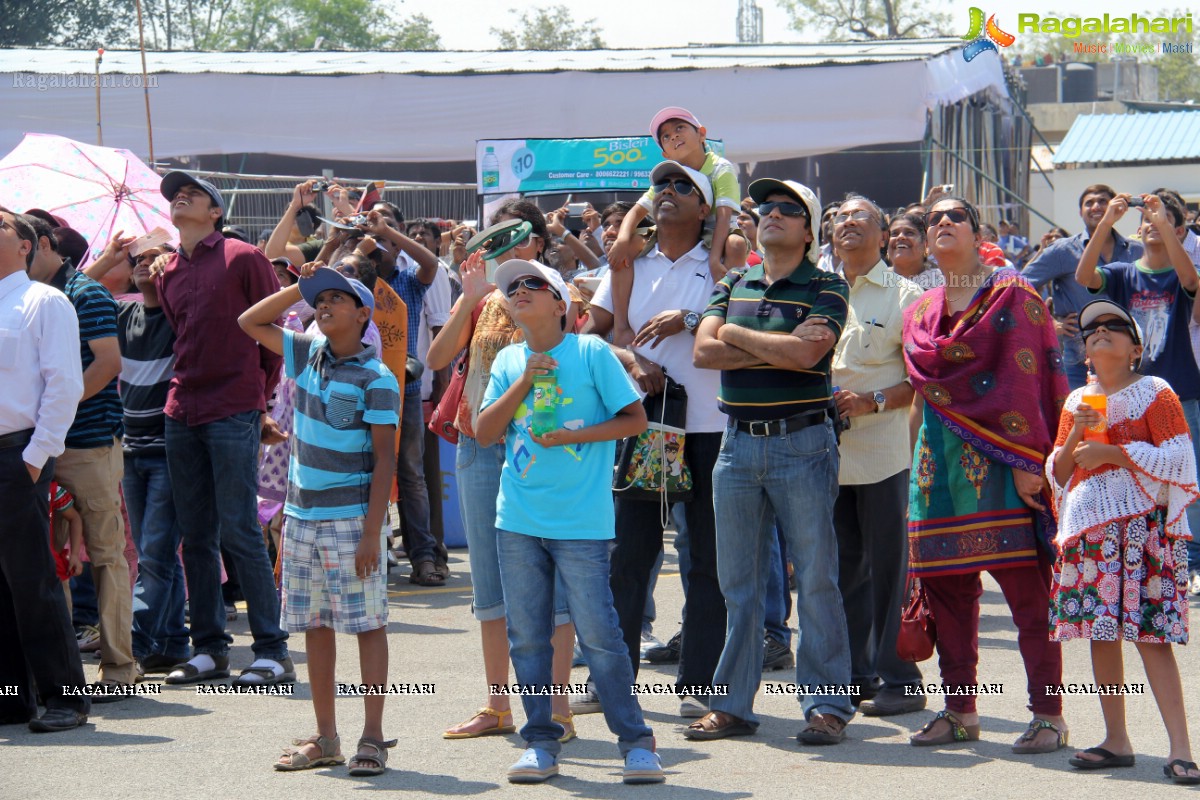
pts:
[179, 744]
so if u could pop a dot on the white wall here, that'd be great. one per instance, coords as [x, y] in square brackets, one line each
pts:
[1069, 183]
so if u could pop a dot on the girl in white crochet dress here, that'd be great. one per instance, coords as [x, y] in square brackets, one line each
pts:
[1122, 570]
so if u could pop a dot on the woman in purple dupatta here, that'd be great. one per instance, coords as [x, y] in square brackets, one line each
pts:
[984, 361]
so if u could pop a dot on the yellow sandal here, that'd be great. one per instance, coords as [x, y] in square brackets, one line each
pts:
[568, 726]
[499, 729]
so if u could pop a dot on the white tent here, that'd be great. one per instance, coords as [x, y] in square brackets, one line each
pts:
[765, 101]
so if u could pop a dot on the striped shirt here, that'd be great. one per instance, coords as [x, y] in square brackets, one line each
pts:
[98, 418]
[337, 401]
[745, 299]
[147, 364]
[406, 283]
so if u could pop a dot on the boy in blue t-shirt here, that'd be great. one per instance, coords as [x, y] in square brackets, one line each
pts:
[555, 512]
[347, 409]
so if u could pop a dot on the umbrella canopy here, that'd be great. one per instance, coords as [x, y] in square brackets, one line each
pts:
[97, 190]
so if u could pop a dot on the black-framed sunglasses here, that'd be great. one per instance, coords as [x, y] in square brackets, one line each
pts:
[533, 284]
[784, 207]
[1115, 326]
[955, 215]
[682, 187]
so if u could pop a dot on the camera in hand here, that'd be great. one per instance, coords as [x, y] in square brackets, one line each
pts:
[1136, 202]
[319, 187]
[574, 221]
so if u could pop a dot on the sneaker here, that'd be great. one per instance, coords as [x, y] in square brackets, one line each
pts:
[577, 659]
[648, 641]
[88, 638]
[666, 653]
[1194, 583]
[586, 703]
[534, 766]
[692, 707]
[642, 766]
[777, 655]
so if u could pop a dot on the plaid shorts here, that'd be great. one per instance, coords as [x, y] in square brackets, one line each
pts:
[320, 587]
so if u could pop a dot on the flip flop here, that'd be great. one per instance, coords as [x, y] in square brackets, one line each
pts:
[1169, 771]
[499, 729]
[1107, 760]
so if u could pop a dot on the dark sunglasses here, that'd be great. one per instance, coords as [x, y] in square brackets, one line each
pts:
[785, 208]
[681, 187]
[533, 284]
[956, 215]
[1116, 326]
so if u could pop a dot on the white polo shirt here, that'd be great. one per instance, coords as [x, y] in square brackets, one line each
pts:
[660, 284]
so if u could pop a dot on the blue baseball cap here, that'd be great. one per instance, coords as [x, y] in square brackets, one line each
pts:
[327, 278]
[172, 182]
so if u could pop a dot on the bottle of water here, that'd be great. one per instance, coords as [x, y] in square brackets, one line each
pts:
[545, 409]
[293, 322]
[491, 169]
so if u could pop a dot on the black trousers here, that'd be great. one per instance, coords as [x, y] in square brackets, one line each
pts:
[871, 521]
[38, 654]
[639, 540]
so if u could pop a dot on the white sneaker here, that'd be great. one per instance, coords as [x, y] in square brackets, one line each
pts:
[1194, 583]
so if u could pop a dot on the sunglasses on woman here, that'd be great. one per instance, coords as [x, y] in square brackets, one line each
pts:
[1116, 326]
[785, 208]
[681, 187]
[956, 215]
[533, 284]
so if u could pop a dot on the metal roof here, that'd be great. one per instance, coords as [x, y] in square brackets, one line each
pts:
[1125, 138]
[451, 62]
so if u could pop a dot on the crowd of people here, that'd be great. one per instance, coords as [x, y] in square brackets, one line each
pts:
[868, 407]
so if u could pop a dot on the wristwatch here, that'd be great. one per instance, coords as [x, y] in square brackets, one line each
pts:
[691, 320]
[880, 401]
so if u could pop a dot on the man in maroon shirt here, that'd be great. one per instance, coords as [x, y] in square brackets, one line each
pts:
[215, 423]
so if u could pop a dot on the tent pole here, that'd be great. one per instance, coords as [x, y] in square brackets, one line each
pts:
[979, 174]
[145, 82]
[99, 128]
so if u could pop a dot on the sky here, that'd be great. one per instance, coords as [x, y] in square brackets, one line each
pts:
[466, 24]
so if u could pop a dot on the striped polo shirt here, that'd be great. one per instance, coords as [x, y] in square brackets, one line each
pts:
[337, 401]
[99, 418]
[147, 364]
[744, 298]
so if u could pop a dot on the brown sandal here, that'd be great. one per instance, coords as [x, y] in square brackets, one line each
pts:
[823, 729]
[957, 732]
[496, 730]
[374, 761]
[1025, 744]
[425, 574]
[718, 725]
[294, 758]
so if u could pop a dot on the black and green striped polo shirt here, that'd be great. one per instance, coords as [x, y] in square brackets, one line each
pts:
[745, 299]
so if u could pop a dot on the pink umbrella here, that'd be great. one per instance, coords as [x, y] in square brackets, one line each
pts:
[97, 190]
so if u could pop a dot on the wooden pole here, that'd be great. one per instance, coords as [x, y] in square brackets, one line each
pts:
[145, 82]
[99, 129]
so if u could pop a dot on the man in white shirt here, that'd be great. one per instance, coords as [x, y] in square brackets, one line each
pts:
[671, 288]
[43, 379]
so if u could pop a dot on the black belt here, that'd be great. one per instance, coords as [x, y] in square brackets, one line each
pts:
[776, 427]
[16, 439]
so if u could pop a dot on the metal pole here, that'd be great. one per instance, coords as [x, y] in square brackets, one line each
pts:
[968, 165]
[99, 129]
[145, 82]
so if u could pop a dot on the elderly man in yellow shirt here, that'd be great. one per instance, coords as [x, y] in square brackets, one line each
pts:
[869, 515]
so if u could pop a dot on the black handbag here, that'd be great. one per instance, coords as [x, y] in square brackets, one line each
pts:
[651, 465]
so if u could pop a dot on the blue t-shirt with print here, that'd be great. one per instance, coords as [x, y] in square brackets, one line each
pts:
[1163, 309]
[561, 492]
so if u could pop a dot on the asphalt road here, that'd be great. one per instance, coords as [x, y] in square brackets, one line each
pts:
[180, 744]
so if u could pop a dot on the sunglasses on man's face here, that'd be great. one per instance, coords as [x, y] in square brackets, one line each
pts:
[783, 207]
[533, 284]
[955, 215]
[680, 186]
[1115, 326]
[857, 216]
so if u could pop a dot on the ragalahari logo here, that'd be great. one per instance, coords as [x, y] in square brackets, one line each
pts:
[984, 37]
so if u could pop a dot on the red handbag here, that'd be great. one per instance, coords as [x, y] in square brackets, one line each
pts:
[442, 420]
[918, 633]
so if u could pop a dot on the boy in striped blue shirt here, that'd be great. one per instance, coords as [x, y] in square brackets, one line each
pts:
[347, 409]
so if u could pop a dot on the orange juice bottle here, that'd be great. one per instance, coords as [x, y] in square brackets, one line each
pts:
[1095, 397]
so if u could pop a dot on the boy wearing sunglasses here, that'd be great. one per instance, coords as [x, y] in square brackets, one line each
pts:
[1159, 290]
[555, 512]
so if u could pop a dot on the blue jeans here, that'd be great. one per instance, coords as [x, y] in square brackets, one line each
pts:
[84, 606]
[419, 543]
[791, 478]
[214, 480]
[478, 478]
[1191, 412]
[527, 568]
[778, 600]
[158, 626]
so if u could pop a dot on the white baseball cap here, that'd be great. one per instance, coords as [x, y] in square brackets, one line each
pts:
[762, 188]
[698, 179]
[515, 268]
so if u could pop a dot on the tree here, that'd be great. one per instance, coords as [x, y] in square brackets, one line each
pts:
[552, 28]
[842, 20]
[84, 24]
